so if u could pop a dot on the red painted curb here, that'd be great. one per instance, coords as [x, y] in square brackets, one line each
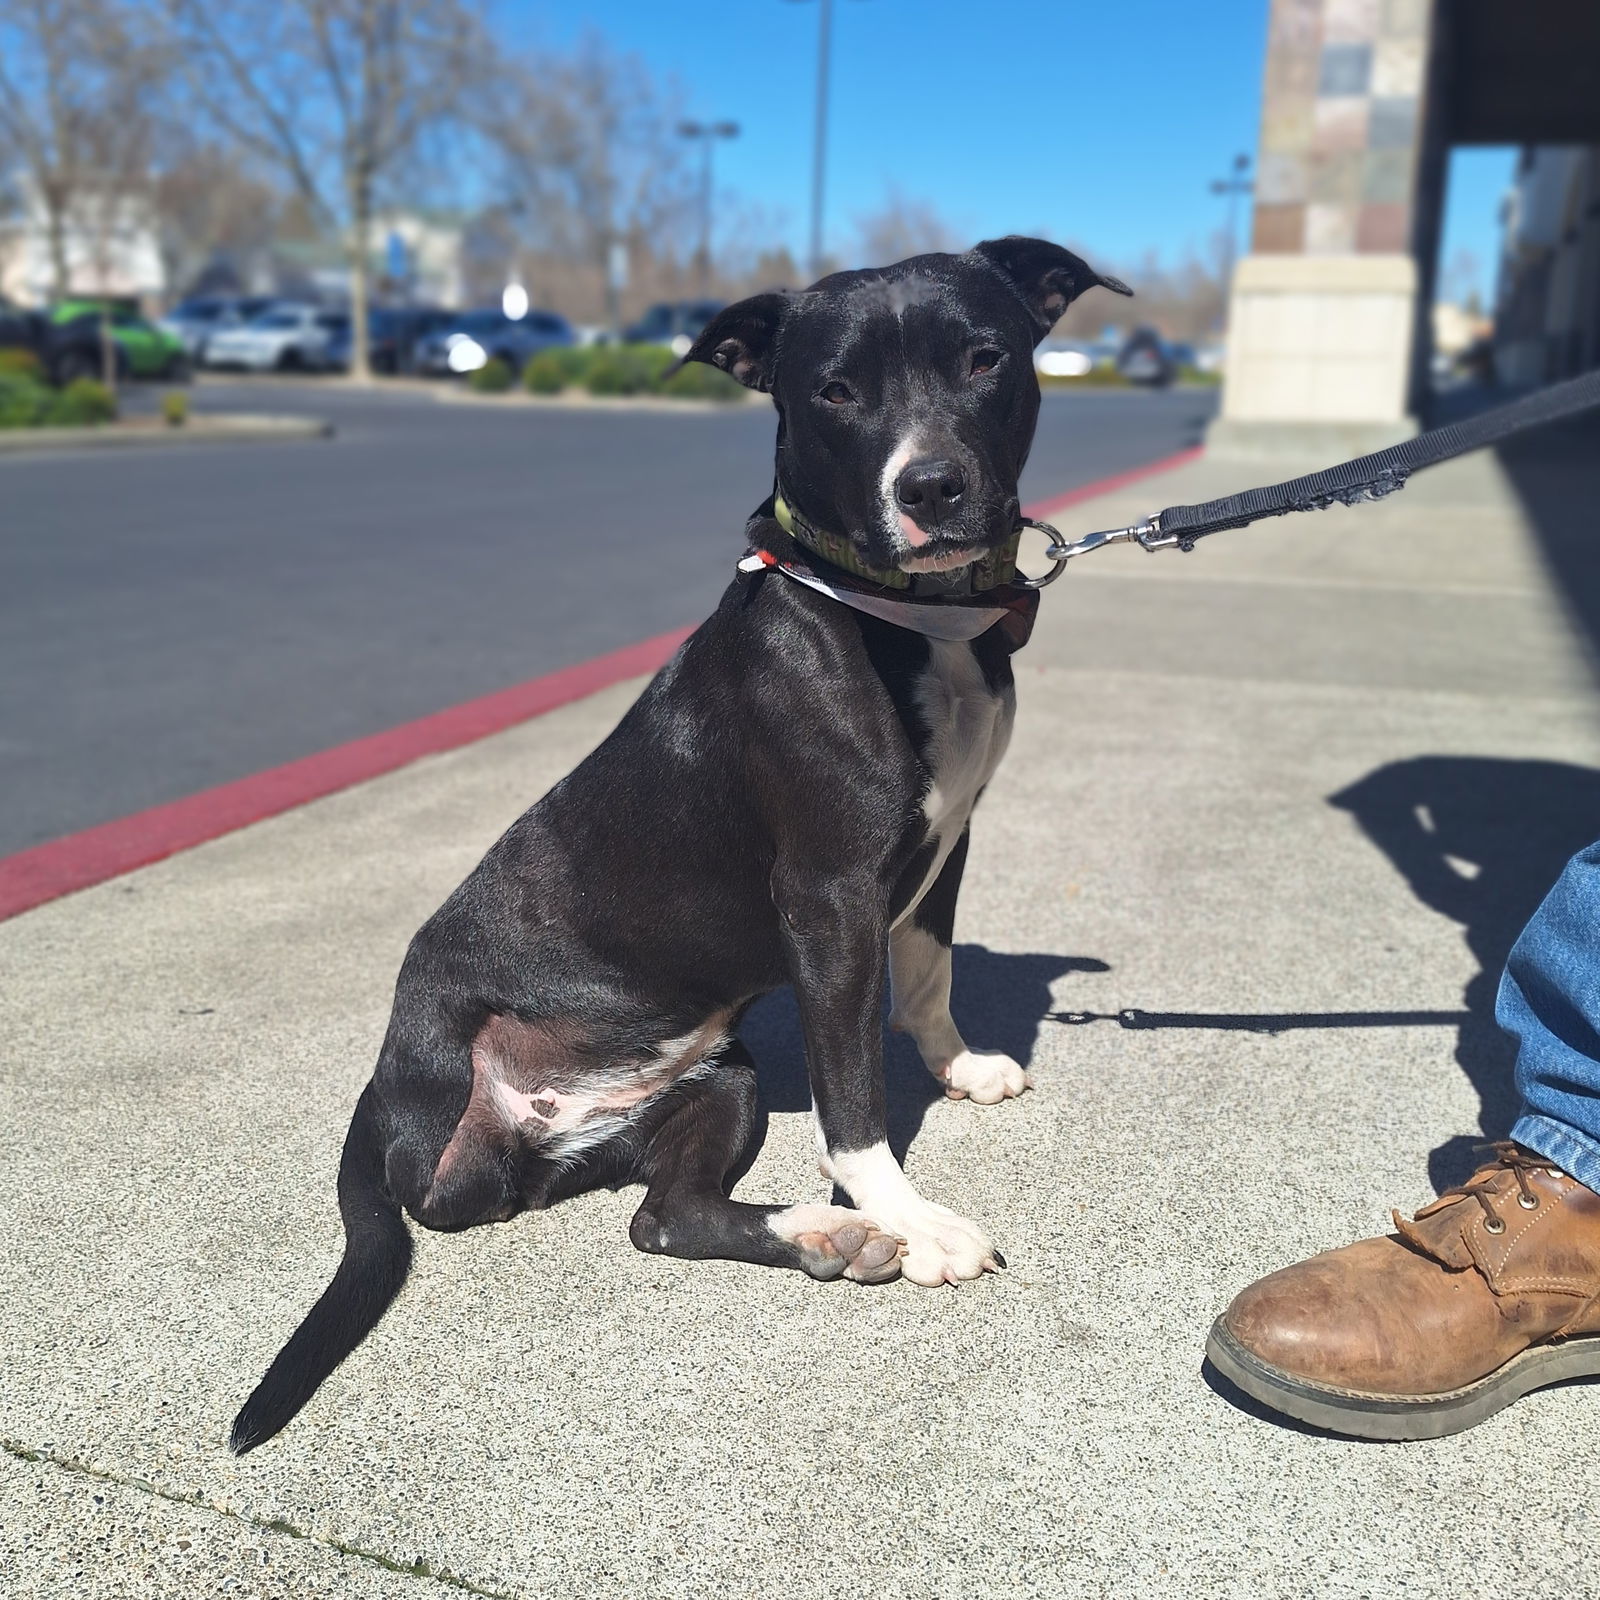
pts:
[80, 860]
[1045, 509]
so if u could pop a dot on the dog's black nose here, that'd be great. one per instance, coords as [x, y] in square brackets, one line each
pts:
[929, 490]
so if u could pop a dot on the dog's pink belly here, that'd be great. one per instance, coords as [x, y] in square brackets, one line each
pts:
[535, 1088]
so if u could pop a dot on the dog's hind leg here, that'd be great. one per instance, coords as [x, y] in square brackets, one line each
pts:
[702, 1128]
[448, 1153]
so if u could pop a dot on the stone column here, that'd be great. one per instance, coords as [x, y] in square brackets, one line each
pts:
[1323, 315]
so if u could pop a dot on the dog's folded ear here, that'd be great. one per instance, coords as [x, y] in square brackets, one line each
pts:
[741, 338]
[1048, 277]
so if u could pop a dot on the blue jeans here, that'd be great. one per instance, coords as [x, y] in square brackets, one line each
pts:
[1549, 1003]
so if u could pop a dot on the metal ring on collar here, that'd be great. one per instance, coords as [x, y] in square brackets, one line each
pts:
[1055, 550]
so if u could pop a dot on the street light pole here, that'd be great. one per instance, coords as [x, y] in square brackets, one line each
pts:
[707, 133]
[819, 146]
[819, 149]
[1234, 185]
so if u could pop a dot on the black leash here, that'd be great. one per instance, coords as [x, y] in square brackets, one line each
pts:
[1366, 478]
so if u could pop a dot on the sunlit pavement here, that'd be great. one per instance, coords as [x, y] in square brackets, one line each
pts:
[1288, 797]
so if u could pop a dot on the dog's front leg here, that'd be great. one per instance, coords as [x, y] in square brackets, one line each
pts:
[836, 947]
[919, 980]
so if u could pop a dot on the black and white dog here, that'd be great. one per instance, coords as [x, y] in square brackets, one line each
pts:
[787, 802]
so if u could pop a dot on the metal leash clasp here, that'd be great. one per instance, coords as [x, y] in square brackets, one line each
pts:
[1060, 551]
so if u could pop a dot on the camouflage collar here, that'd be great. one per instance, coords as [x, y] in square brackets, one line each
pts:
[991, 571]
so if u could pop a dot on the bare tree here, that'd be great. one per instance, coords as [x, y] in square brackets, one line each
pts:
[335, 94]
[77, 80]
[1183, 301]
[591, 151]
[901, 227]
[204, 201]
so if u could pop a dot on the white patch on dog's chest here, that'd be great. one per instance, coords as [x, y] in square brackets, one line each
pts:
[969, 728]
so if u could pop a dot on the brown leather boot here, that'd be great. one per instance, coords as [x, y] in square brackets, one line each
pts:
[1489, 1292]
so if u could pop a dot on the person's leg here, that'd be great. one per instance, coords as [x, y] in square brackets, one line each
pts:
[1492, 1290]
[1549, 1003]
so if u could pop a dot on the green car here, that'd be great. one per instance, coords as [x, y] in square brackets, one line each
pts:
[143, 349]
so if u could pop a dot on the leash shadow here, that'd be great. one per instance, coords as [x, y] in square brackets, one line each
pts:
[1271, 1023]
[1480, 840]
[999, 1001]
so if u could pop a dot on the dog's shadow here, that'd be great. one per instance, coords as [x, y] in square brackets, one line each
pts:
[999, 1002]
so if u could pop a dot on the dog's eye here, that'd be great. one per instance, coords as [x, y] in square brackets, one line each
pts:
[837, 394]
[985, 361]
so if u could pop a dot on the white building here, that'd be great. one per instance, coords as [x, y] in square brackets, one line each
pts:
[110, 243]
[426, 247]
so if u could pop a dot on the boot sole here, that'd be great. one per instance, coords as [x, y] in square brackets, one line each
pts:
[1360, 1415]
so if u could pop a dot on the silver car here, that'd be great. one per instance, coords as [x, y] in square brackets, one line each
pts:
[197, 321]
[285, 338]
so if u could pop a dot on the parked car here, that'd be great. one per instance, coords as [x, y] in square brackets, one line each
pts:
[674, 323]
[475, 338]
[144, 350]
[22, 330]
[64, 353]
[1145, 359]
[286, 337]
[393, 334]
[194, 321]
[1063, 358]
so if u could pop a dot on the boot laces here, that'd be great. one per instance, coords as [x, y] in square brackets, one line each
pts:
[1509, 1157]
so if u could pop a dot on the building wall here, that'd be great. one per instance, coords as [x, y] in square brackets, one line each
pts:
[1323, 327]
[1341, 126]
[1547, 314]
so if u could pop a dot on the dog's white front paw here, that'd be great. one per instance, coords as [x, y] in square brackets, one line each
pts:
[986, 1076]
[940, 1246]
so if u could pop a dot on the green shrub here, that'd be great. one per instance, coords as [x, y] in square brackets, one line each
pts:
[612, 370]
[627, 368]
[16, 362]
[609, 374]
[175, 408]
[493, 377]
[83, 402]
[545, 374]
[651, 362]
[23, 402]
[700, 382]
[574, 361]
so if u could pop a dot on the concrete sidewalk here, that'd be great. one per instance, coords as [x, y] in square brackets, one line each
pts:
[1288, 798]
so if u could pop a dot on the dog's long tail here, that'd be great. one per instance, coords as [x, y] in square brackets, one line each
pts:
[377, 1256]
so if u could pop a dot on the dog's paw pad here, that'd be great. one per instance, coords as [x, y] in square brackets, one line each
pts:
[984, 1076]
[835, 1242]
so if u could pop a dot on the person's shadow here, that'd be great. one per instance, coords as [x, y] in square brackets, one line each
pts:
[1480, 840]
[999, 1002]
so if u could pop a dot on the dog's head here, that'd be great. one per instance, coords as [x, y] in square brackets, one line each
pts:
[906, 395]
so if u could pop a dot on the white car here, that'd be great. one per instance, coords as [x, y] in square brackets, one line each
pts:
[284, 338]
[1063, 358]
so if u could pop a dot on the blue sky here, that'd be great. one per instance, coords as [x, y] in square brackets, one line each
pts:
[1101, 122]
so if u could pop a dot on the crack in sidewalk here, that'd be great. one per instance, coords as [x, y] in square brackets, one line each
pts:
[417, 1569]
